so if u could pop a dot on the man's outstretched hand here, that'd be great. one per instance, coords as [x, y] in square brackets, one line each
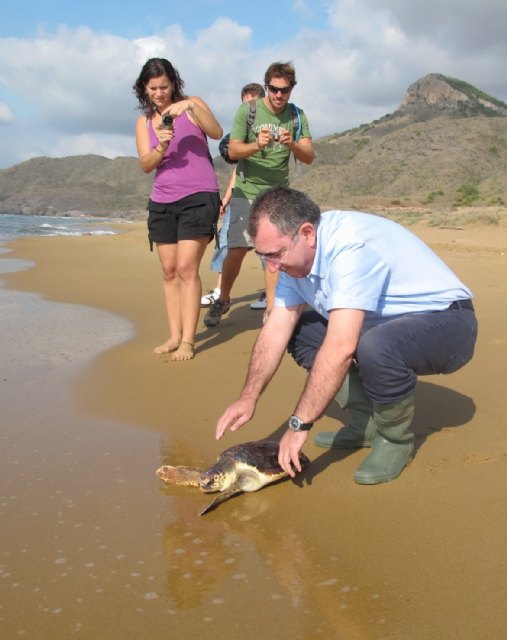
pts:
[235, 416]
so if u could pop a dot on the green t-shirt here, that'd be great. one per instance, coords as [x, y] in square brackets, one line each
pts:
[270, 166]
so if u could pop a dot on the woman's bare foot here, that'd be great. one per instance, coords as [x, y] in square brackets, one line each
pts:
[169, 345]
[185, 352]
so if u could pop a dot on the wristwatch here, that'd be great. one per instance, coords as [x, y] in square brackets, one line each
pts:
[296, 424]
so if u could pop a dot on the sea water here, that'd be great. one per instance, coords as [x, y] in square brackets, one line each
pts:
[14, 226]
[81, 517]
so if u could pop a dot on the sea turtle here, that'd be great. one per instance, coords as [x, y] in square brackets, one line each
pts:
[244, 467]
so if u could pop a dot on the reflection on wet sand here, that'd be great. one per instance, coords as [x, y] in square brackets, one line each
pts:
[84, 551]
[240, 571]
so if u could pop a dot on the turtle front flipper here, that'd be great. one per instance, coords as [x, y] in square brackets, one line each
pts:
[188, 476]
[222, 497]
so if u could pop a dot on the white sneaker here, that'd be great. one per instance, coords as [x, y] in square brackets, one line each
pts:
[260, 303]
[210, 297]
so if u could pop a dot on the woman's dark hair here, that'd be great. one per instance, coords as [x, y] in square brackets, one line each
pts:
[154, 68]
[286, 209]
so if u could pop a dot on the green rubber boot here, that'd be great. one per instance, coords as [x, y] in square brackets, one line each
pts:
[392, 446]
[360, 432]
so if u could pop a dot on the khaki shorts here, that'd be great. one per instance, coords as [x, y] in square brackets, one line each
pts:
[237, 236]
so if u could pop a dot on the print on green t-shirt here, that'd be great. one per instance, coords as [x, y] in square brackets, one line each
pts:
[270, 166]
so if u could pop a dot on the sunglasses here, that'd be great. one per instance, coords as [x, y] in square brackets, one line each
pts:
[283, 90]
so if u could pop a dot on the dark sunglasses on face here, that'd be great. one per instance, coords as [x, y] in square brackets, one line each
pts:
[283, 90]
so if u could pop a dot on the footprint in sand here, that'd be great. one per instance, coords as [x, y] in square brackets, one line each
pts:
[438, 465]
[483, 458]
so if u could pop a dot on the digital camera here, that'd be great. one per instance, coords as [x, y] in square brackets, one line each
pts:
[167, 121]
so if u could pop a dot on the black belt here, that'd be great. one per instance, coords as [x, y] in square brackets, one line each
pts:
[462, 304]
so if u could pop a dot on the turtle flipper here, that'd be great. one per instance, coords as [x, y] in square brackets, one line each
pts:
[222, 497]
[188, 476]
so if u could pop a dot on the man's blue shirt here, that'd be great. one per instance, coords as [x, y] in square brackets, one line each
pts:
[367, 262]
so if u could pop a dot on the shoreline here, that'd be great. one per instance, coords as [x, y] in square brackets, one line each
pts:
[422, 556]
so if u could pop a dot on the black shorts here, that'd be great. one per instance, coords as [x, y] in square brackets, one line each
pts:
[187, 219]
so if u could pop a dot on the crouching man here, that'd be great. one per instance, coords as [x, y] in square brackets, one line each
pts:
[384, 310]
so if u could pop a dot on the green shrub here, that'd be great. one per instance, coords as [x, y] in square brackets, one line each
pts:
[431, 196]
[468, 194]
[361, 142]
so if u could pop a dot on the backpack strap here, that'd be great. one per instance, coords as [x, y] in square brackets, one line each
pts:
[252, 110]
[296, 121]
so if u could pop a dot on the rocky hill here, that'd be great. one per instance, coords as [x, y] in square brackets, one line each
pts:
[85, 184]
[444, 147]
[435, 93]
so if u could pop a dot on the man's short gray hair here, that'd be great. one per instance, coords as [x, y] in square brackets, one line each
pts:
[286, 209]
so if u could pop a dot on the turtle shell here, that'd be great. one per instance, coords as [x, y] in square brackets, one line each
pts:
[261, 455]
[245, 467]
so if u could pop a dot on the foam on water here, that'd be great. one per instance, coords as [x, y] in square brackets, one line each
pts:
[14, 226]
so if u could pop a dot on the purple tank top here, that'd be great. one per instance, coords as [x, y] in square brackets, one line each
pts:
[186, 167]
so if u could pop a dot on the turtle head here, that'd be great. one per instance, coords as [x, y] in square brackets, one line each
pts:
[212, 480]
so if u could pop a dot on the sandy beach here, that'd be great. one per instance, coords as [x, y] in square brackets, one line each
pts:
[94, 547]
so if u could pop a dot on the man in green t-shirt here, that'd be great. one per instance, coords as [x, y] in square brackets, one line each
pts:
[263, 149]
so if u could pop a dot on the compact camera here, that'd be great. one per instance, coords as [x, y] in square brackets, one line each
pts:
[167, 121]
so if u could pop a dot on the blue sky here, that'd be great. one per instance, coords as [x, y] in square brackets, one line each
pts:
[130, 19]
[67, 67]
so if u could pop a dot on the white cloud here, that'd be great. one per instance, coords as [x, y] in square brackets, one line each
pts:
[6, 114]
[456, 24]
[303, 8]
[109, 146]
[71, 90]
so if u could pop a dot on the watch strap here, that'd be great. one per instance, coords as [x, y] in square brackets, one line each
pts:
[296, 424]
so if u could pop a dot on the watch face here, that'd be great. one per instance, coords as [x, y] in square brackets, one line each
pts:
[295, 423]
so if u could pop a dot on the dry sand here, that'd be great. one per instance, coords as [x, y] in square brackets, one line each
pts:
[94, 547]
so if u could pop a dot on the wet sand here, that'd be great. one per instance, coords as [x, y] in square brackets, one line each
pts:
[94, 547]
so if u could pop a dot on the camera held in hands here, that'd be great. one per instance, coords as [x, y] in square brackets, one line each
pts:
[167, 121]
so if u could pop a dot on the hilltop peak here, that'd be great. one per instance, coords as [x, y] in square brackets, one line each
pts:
[435, 93]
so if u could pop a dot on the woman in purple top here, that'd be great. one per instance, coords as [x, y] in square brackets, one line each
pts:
[171, 138]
